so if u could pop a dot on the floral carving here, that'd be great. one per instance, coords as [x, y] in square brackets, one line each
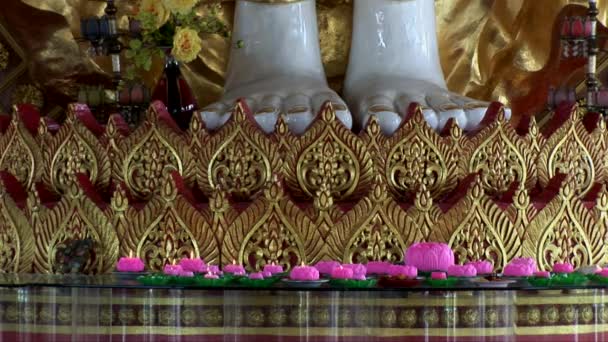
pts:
[73, 156]
[168, 240]
[4, 56]
[239, 167]
[150, 162]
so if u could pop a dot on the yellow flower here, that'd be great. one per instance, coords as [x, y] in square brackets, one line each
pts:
[180, 6]
[157, 8]
[186, 45]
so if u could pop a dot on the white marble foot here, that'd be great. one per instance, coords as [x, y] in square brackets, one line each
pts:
[278, 69]
[394, 61]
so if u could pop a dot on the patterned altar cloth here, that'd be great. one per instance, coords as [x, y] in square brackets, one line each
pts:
[105, 308]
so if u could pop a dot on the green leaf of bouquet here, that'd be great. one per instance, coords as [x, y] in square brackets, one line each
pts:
[135, 44]
[148, 64]
[130, 54]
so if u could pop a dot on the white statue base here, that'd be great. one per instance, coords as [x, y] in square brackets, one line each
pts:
[394, 61]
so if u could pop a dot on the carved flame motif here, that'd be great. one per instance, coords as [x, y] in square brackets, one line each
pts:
[477, 240]
[165, 241]
[499, 162]
[18, 159]
[9, 245]
[73, 156]
[328, 161]
[271, 242]
[239, 167]
[76, 227]
[564, 241]
[376, 241]
[414, 162]
[149, 162]
[571, 157]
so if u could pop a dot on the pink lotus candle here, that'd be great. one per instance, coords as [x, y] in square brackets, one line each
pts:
[359, 277]
[211, 276]
[342, 273]
[518, 270]
[563, 268]
[377, 267]
[464, 271]
[173, 270]
[482, 267]
[186, 274]
[439, 276]
[408, 272]
[603, 273]
[192, 264]
[234, 269]
[358, 269]
[525, 261]
[273, 269]
[130, 264]
[593, 269]
[428, 257]
[266, 274]
[256, 276]
[542, 274]
[304, 273]
[326, 267]
[213, 269]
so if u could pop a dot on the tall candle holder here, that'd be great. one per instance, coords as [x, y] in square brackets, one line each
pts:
[103, 36]
[579, 39]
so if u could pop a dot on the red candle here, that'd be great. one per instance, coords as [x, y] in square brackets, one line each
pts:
[438, 276]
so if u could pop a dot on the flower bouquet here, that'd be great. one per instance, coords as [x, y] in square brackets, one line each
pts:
[171, 29]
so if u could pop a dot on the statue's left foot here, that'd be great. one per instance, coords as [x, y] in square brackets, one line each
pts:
[389, 98]
[394, 61]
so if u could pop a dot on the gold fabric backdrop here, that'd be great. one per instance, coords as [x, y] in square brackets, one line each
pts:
[490, 49]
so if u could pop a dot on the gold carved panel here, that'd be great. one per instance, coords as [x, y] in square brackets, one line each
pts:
[501, 156]
[74, 217]
[328, 154]
[571, 150]
[356, 197]
[272, 229]
[564, 231]
[239, 158]
[477, 229]
[376, 228]
[20, 154]
[417, 155]
[75, 149]
[151, 152]
[16, 237]
[166, 229]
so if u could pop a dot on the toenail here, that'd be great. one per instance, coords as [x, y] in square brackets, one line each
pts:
[266, 110]
[338, 106]
[298, 110]
[379, 108]
[475, 105]
[448, 107]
